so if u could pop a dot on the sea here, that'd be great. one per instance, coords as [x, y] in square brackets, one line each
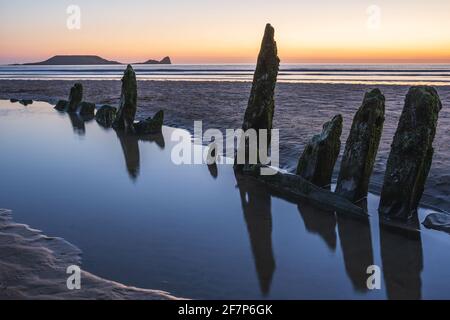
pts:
[388, 74]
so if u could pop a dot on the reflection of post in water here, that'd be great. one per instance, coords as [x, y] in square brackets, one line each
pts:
[321, 222]
[77, 122]
[130, 148]
[256, 205]
[356, 243]
[212, 168]
[157, 138]
[401, 253]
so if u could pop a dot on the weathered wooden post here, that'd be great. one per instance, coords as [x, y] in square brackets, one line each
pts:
[411, 154]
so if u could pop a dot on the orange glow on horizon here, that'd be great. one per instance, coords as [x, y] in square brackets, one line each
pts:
[206, 32]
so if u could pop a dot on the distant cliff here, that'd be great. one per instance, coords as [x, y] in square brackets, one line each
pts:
[74, 60]
[87, 60]
[165, 60]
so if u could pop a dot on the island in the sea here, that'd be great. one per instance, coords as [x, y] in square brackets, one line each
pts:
[88, 60]
[165, 60]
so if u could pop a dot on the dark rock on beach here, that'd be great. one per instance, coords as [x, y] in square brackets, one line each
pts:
[361, 147]
[61, 105]
[319, 157]
[128, 102]
[25, 102]
[105, 116]
[438, 221]
[13, 100]
[411, 154]
[86, 108]
[75, 97]
[150, 125]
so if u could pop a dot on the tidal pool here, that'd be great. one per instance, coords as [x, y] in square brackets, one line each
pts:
[197, 231]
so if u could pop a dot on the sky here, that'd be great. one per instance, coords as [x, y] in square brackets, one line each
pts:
[210, 31]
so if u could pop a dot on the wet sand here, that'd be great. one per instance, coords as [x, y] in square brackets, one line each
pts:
[33, 266]
[301, 109]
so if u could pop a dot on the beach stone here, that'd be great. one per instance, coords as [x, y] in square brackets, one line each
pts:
[75, 97]
[411, 154]
[86, 108]
[361, 147]
[61, 105]
[25, 102]
[105, 116]
[150, 125]
[128, 102]
[261, 105]
[438, 221]
[13, 100]
[319, 157]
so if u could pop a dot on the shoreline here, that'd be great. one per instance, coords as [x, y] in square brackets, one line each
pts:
[39, 262]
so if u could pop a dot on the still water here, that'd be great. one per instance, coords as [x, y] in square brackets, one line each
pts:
[194, 231]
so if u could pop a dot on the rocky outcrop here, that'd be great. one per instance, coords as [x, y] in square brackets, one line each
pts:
[25, 102]
[75, 103]
[74, 60]
[75, 97]
[317, 162]
[438, 221]
[361, 147]
[411, 154]
[61, 105]
[165, 60]
[105, 116]
[150, 125]
[86, 108]
[261, 105]
[128, 102]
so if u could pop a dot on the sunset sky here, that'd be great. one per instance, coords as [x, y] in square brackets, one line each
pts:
[209, 31]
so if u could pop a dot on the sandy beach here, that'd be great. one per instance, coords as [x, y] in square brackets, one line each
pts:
[301, 110]
[33, 266]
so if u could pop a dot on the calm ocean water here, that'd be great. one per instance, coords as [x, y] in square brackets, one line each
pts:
[404, 74]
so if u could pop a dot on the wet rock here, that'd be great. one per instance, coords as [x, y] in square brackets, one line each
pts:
[261, 105]
[25, 102]
[296, 188]
[75, 97]
[61, 105]
[438, 221]
[128, 102]
[105, 116]
[411, 154]
[13, 100]
[86, 108]
[150, 125]
[319, 157]
[361, 147]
